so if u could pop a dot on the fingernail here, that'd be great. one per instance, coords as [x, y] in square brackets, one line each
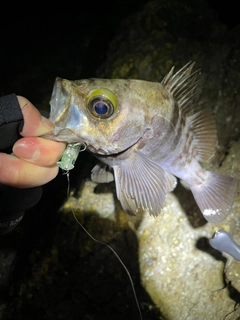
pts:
[47, 123]
[26, 151]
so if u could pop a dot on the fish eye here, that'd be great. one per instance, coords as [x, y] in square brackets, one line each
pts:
[102, 103]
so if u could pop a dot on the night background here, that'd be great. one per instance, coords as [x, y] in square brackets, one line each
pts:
[34, 50]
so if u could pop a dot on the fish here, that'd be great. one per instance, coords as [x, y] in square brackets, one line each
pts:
[146, 136]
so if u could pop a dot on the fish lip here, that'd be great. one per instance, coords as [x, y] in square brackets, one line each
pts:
[61, 136]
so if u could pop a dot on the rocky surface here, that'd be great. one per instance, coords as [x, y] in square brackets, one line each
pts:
[183, 275]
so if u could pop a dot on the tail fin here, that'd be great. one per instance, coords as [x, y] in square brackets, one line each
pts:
[215, 196]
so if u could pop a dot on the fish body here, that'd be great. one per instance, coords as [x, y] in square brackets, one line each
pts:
[148, 133]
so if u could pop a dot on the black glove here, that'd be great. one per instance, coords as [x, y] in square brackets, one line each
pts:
[13, 201]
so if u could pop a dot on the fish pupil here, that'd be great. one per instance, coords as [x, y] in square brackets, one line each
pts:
[100, 108]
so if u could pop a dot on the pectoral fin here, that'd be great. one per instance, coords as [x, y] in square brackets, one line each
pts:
[141, 183]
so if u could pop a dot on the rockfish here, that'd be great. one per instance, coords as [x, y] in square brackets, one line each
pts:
[148, 133]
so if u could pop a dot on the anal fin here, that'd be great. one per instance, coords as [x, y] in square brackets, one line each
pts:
[215, 196]
[171, 181]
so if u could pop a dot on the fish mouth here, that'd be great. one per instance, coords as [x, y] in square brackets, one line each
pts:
[63, 135]
[64, 114]
[69, 136]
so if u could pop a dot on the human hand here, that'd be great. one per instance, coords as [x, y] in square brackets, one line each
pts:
[34, 160]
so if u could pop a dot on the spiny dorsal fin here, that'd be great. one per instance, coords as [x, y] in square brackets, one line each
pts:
[182, 85]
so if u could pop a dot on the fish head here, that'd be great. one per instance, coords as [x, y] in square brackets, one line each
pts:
[105, 115]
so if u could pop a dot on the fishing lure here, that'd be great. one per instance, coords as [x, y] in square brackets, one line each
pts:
[222, 241]
[70, 155]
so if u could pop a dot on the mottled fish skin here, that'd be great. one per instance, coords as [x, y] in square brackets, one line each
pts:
[148, 133]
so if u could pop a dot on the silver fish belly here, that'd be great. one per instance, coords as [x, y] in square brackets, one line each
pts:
[148, 134]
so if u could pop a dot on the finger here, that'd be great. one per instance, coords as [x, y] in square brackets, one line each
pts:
[39, 151]
[34, 123]
[21, 174]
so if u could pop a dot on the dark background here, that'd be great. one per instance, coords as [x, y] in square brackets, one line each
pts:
[37, 47]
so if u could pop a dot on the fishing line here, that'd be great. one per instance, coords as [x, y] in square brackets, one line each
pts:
[67, 163]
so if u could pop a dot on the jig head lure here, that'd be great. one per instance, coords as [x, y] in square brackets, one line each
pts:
[70, 155]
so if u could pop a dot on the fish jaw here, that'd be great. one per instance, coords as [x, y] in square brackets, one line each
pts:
[65, 115]
[80, 133]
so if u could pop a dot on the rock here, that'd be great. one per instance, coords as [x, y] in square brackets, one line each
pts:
[184, 278]
[89, 201]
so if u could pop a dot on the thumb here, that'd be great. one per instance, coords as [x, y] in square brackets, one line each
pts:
[34, 123]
